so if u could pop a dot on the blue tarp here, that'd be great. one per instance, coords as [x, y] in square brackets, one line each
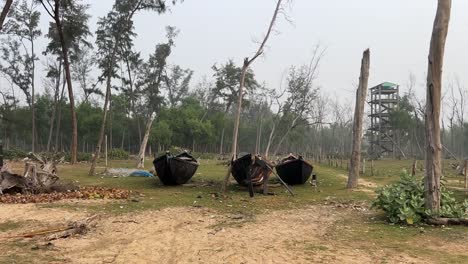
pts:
[141, 173]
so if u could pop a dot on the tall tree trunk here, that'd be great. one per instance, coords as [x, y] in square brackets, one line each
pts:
[4, 13]
[66, 63]
[433, 98]
[239, 110]
[59, 115]
[270, 140]
[92, 169]
[110, 124]
[221, 144]
[123, 138]
[361, 93]
[33, 99]
[259, 137]
[141, 153]
[54, 112]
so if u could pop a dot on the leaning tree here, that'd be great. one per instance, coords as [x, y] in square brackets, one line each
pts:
[245, 67]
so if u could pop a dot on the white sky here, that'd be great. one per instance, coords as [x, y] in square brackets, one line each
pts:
[397, 32]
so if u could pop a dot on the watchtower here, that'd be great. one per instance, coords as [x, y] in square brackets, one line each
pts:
[384, 98]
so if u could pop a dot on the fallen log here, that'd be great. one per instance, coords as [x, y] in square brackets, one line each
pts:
[40, 173]
[447, 221]
[80, 227]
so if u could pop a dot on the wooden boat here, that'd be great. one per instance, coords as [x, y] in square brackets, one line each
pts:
[175, 170]
[294, 170]
[250, 171]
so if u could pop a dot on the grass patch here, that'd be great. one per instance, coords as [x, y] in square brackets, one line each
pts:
[208, 179]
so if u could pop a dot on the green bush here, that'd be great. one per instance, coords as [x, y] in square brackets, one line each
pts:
[80, 156]
[403, 201]
[118, 154]
[13, 154]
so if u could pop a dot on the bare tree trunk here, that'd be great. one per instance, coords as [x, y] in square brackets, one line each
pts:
[433, 97]
[141, 154]
[270, 139]
[4, 13]
[358, 120]
[54, 112]
[123, 138]
[59, 115]
[104, 118]
[110, 123]
[221, 144]
[66, 63]
[239, 110]
[33, 100]
[260, 135]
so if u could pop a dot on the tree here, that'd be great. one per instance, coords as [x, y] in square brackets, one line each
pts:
[301, 93]
[361, 94]
[20, 56]
[228, 79]
[70, 21]
[151, 82]
[81, 73]
[433, 98]
[245, 67]
[177, 83]
[114, 30]
[54, 73]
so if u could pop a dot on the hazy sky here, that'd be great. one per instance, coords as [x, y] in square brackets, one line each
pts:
[397, 32]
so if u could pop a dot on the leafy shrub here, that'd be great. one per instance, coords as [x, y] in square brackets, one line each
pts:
[80, 156]
[13, 154]
[403, 201]
[118, 154]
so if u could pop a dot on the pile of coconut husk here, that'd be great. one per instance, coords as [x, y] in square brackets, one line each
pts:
[40, 183]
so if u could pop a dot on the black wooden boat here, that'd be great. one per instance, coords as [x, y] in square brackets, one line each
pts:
[175, 170]
[294, 170]
[246, 166]
[250, 171]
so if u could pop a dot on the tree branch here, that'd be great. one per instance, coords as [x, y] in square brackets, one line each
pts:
[270, 28]
[4, 13]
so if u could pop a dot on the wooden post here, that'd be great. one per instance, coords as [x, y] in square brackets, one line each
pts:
[433, 100]
[358, 120]
[372, 167]
[414, 168]
[363, 166]
[105, 149]
[465, 171]
[1, 156]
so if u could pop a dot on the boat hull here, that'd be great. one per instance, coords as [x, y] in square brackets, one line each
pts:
[294, 172]
[244, 167]
[175, 170]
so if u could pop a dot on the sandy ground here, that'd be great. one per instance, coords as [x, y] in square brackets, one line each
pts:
[198, 235]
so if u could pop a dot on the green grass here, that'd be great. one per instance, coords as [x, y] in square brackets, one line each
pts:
[208, 178]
